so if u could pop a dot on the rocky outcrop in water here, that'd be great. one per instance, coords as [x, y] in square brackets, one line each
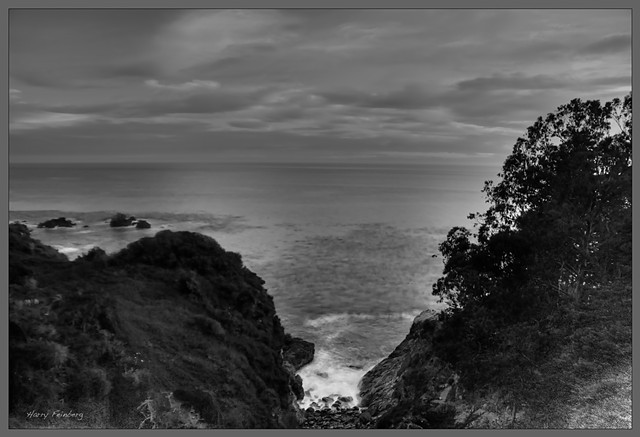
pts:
[171, 332]
[60, 222]
[121, 220]
[297, 351]
[143, 224]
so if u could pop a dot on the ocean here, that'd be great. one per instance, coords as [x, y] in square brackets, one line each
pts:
[345, 250]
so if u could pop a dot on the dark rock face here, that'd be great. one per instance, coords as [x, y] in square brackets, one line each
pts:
[60, 222]
[298, 352]
[171, 332]
[142, 224]
[412, 388]
[121, 220]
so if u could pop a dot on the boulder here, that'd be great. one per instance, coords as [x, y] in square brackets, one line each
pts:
[327, 400]
[297, 351]
[60, 222]
[121, 220]
[142, 224]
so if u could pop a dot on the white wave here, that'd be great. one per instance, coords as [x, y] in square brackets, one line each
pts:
[342, 318]
[66, 250]
[328, 376]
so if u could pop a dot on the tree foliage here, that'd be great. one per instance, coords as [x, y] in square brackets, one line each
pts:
[558, 225]
[561, 213]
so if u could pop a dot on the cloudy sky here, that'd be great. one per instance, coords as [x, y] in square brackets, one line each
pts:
[292, 85]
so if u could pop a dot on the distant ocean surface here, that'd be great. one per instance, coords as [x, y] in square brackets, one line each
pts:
[346, 250]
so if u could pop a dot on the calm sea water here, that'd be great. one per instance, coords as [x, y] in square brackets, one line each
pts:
[346, 250]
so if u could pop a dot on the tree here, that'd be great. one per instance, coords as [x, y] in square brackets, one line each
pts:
[560, 215]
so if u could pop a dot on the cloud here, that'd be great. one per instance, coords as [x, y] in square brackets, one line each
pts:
[127, 69]
[41, 120]
[514, 81]
[610, 44]
[408, 97]
[210, 102]
[247, 124]
[14, 94]
[186, 86]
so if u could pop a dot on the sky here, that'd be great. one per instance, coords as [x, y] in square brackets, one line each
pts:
[289, 85]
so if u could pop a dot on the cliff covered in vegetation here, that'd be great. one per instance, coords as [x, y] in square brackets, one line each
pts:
[537, 333]
[171, 332]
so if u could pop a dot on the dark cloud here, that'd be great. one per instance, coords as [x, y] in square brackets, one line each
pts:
[408, 97]
[201, 103]
[247, 124]
[518, 81]
[39, 77]
[61, 48]
[609, 45]
[100, 108]
[457, 81]
[210, 102]
[133, 69]
[482, 108]
[611, 81]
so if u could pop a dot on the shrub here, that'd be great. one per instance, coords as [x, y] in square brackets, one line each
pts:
[91, 383]
[209, 326]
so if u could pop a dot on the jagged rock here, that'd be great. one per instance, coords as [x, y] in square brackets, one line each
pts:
[60, 222]
[142, 224]
[121, 220]
[297, 351]
[345, 399]
[296, 387]
[391, 389]
[365, 417]
[327, 400]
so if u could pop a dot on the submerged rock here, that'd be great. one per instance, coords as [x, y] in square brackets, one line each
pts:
[60, 222]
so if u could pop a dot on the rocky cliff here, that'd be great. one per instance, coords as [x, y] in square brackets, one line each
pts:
[413, 388]
[171, 332]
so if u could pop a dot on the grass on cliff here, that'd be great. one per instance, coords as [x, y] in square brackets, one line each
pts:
[572, 370]
[585, 382]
